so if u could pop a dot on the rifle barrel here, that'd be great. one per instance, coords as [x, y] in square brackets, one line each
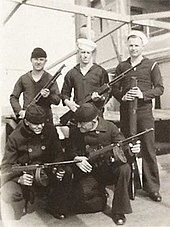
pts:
[59, 163]
[122, 75]
[131, 138]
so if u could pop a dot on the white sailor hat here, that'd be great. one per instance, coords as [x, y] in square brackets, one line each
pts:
[140, 35]
[86, 44]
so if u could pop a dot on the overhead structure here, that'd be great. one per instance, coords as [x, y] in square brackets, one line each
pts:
[14, 10]
[82, 10]
[93, 12]
[149, 20]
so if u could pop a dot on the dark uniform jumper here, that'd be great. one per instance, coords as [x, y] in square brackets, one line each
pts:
[119, 175]
[30, 89]
[150, 83]
[83, 85]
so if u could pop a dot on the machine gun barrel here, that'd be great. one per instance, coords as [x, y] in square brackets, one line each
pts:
[18, 167]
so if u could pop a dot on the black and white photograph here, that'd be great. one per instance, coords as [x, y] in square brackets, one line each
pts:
[85, 113]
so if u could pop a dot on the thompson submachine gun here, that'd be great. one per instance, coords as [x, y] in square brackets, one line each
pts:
[40, 176]
[38, 170]
[32, 167]
[70, 114]
[108, 152]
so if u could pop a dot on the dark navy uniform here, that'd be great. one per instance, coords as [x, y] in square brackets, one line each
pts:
[117, 174]
[84, 85]
[30, 89]
[149, 81]
[24, 146]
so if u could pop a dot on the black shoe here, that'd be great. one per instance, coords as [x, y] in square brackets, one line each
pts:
[59, 216]
[155, 196]
[119, 219]
[56, 214]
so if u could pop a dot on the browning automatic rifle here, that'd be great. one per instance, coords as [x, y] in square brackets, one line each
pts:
[69, 115]
[48, 85]
[101, 153]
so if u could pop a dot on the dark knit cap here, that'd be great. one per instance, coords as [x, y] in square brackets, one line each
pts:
[35, 114]
[38, 53]
[86, 113]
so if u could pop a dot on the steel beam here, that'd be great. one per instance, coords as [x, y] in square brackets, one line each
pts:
[145, 16]
[153, 23]
[82, 10]
[13, 11]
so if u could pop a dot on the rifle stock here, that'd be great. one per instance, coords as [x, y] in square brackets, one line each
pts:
[69, 115]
